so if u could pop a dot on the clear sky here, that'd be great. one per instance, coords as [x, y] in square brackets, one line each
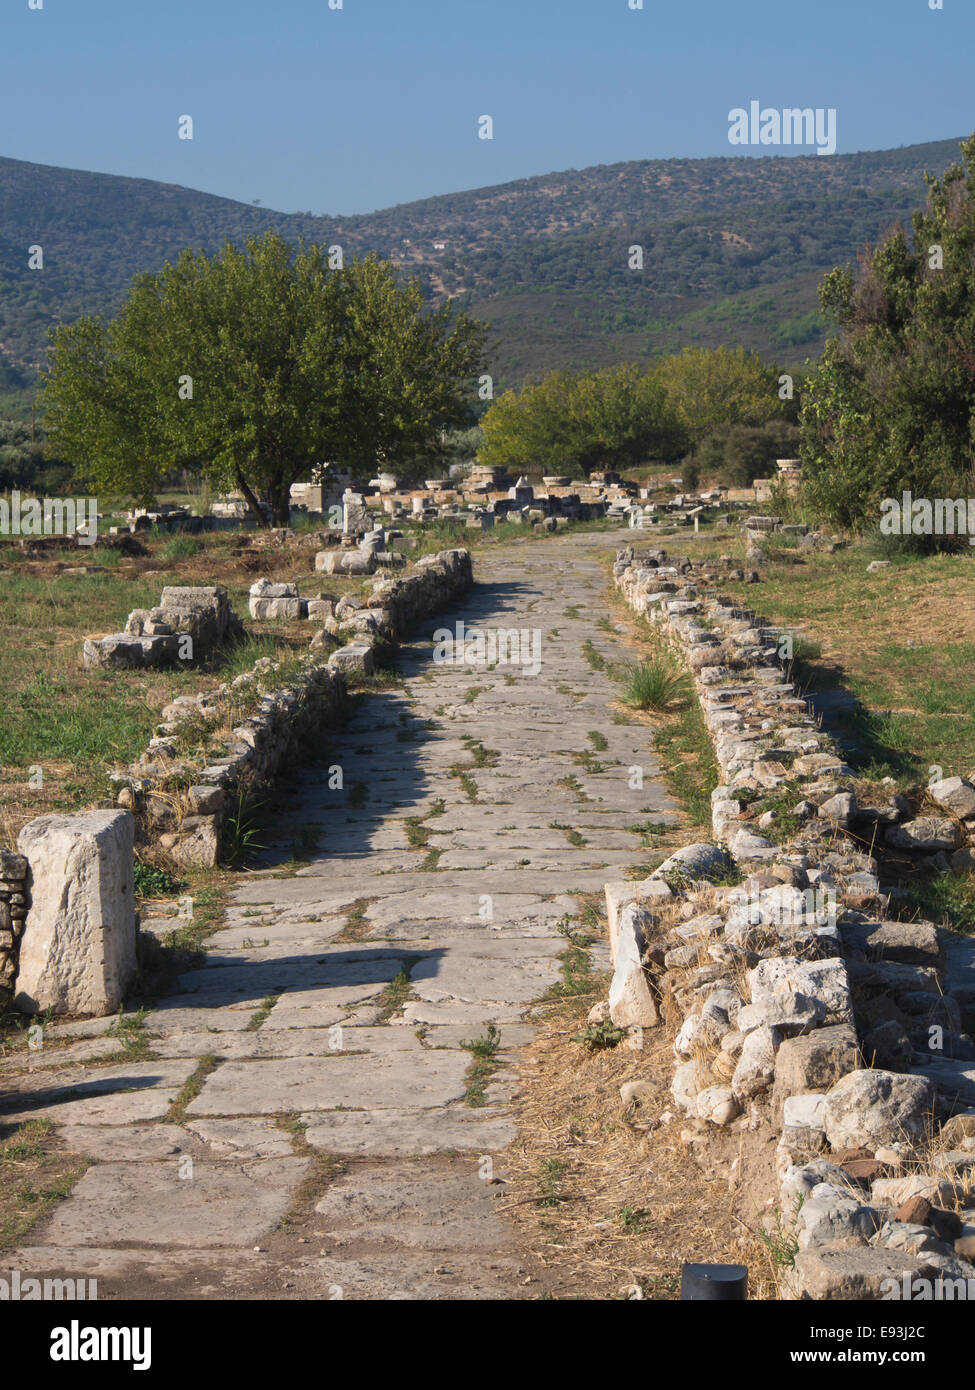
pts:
[347, 110]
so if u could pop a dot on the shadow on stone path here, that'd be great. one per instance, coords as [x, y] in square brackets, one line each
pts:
[328, 1148]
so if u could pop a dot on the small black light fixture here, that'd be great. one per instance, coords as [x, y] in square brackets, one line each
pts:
[713, 1283]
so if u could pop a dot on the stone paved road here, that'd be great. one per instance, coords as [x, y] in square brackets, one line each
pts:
[366, 969]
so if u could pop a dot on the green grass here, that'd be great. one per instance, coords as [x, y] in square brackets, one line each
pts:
[594, 657]
[947, 899]
[656, 685]
[484, 1052]
[153, 882]
[191, 1087]
[687, 760]
[35, 1174]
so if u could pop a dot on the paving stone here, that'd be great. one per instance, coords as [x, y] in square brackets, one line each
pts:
[218, 1204]
[297, 1083]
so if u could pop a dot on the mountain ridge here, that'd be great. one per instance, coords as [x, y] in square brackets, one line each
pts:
[734, 246]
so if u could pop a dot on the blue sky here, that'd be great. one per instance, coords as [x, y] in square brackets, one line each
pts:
[344, 111]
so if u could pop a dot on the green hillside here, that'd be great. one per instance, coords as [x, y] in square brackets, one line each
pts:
[734, 249]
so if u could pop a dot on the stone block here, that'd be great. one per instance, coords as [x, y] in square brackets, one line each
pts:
[357, 659]
[77, 953]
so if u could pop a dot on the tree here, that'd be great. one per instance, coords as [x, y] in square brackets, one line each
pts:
[613, 418]
[891, 405]
[712, 388]
[252, 366]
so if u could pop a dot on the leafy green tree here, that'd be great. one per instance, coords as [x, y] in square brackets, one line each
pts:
[891, 405]
[712, 388]
[613, 418]
[252, 366]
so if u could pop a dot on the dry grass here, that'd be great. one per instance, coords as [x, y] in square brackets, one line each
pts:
[611, 1198]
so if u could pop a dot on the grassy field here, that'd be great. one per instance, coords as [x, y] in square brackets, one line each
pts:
[901, 641]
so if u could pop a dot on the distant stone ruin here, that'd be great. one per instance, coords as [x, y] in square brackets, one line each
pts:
[188, 623]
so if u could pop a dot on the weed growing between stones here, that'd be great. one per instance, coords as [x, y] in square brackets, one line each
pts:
[484, 1052]
[399, 990]
[191, 1087]
[241, 828]
[596, 1036]
[594, 657]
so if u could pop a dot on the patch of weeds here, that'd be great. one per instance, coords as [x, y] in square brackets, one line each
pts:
[356, 927]
[782, 1243]
[129, 1029]
[947, 899]
[471, 693]
[358, 794]
[573, 785]
[572, 611]
[150, 881]
[394, 995]
[417, 834]
[431, 861]
[262, 1014]
[484, 1052]
[242, 828]
[656, 685]
[686, 755]
[595, 658]
[598, 740]
[35, 1174]
[588, 762]
[549, 1180]
[597, 1037]
[466, 781]
[305, 844]
[634, 1221]
[483, 757]
[648, 828]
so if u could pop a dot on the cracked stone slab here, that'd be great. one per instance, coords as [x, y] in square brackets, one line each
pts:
[393, 1133]
[366, 1083]
[130, 1143]
[113, 1095]
[406, 1204]
[219, 1204]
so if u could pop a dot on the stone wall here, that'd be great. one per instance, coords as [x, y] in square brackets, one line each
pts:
[796, 1002]
[181, 802]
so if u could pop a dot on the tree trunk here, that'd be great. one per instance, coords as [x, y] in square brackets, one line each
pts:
[279, 496]
[251, 500]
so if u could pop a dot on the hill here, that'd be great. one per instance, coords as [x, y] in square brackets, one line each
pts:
[733, 249]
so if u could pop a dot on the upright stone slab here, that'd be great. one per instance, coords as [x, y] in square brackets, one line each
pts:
[77, 954]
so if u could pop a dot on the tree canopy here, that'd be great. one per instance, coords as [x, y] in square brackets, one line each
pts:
[572, 424]
[711, 389]
[252, 366]
[891, 405]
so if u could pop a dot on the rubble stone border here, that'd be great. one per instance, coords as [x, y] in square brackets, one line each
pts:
[800, 1004]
